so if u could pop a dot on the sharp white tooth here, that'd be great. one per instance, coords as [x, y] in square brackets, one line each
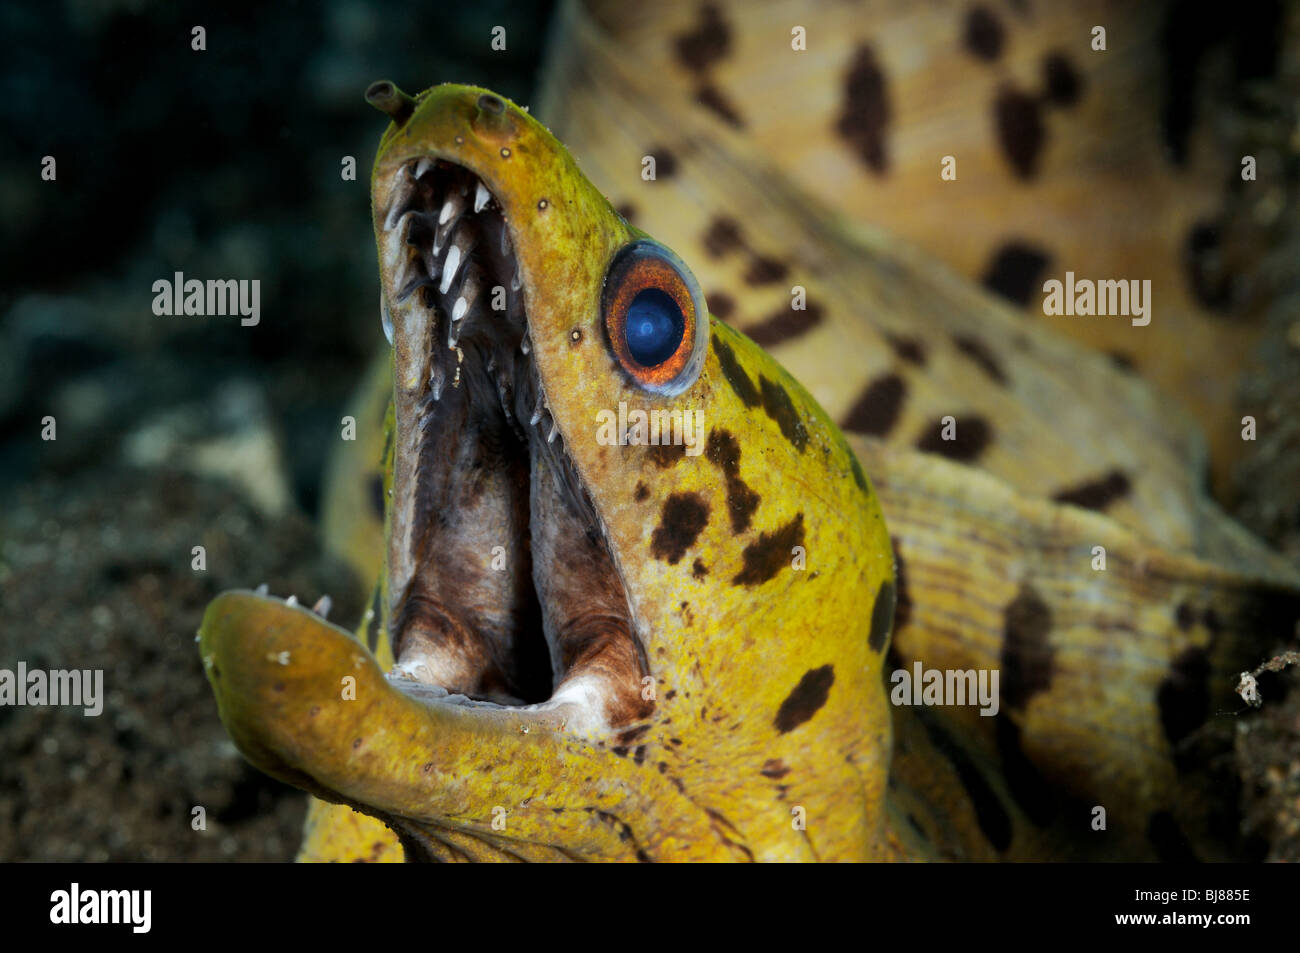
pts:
[514, 282]
[448, 210]
[449, 270]
[291, 601]
[385, 318]
[322, 607]
[455, 233]
[537, 412]
[555, 428]
[481, 197]
[432, 263]
[471, 286]
[262, 590]
[423, 166]
[459, 310]
[524, 345]
[394, 216]
[399, 201]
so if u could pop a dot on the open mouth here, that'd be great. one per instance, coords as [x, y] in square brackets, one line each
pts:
[503, 592]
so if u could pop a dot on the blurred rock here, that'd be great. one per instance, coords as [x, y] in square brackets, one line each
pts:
[230, 437]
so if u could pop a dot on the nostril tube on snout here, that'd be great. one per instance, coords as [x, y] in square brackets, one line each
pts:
[388, 99]
[491, 103]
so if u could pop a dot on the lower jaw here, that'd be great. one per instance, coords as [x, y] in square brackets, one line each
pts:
[306, 703]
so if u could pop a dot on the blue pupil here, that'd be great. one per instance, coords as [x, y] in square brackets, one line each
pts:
[653, 328]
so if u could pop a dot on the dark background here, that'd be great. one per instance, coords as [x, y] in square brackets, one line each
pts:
[222, 163]
[219, 164]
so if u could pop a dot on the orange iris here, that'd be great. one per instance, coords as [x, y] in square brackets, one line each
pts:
[650, 315]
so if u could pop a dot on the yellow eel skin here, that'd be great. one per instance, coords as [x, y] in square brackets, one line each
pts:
[761, 582]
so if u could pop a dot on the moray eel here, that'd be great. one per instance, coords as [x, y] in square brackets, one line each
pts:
[614, 622]
[601, 649]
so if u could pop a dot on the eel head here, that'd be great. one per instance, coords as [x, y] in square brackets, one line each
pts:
[638, 588]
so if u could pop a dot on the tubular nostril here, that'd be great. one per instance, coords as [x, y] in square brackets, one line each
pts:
[388, 99]
[490, 103]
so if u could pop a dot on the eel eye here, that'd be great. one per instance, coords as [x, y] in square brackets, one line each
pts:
[653, 310]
